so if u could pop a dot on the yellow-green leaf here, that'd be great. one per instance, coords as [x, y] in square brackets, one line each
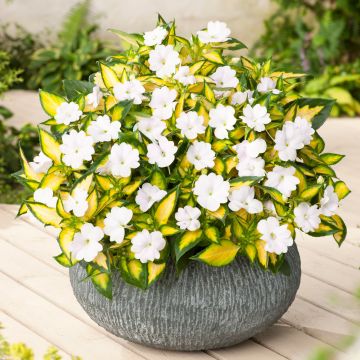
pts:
[166, 207]
[66, 236]
[251, 252]
[331, 159]
[28, 171]
[219, 213]
[158, 179]
[101, 280]
[219, 166]
[132, 187]
[341, 189]
[209, 93]
[46, 215]
[324, 170]
[310, 192]
[186, 242]
[50, 102]
[262, 253]
[218, 254]
[49, 146]
[108, 75]
[214, 57]
[168, 230]
[155, 271]
[274, 194]
[52, 180]
[92, 201]
[104, 182]
[212, 233]
[83, 183]
[341, 234]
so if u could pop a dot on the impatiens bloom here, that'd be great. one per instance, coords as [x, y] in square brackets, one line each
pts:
[77, 202]
[162, 152]
[216, 31]
[67, 113]
[244, 198]
[163, 102]
[155, 37]
[103, 129]
[151, 127]
[201, 155]
[222, 119]
[184, 76]
[225, 77]
[94, 97]
[292, 137]
[76, 147]
[191, 124]
[277, 237]
[241, 96]
[86, 244]
[129, 90]
[41, 163]
[148, 195]
[163, 60]
[123, 157]
[146, 245]
[45, 196]
[251, 167]
[329, 203]
[256, 117]
[116, 221]
[211, 191]
[187, 218]
[282, 179]
[266, 84]
[307, 217]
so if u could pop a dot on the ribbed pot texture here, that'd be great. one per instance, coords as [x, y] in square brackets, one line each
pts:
[204, 308]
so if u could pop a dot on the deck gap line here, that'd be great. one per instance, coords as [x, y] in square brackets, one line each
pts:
[99, 329]
[352, 293]
[35, 332]
[328, 310]
[269, 347]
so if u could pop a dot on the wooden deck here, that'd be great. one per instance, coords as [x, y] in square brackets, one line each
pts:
[37, 305]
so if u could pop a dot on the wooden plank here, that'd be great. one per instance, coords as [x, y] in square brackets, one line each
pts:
[347, 254]
[58, 326]
[330, 298]
[14, 332]
[317, 322]
[55, 287]
[294, 344]
[329, 271]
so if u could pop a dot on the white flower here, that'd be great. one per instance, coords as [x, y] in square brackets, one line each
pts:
[123, 157]
[184, 76]
[241, 96]
[201, 155]
[103, 129]
[45, 196]
[266, 84]
[151, 127]
[163, 60]
[115, 223]
[67, 113]
[282, 179]
[277, 237]
[211, 191]
[216, 31]
[187, 218]
[251, 167]
[224, 77]
[244, 198]
[305, 129]
[292, 137]
[147, 245]
[86, 244]
[162, 152]
[256, 117]
[148, 195]
[251, 149]
[76, 147]
[222, 119]
[307, 217]
[95, 97]
[129, 90]
[329, 202]
[191, 124]
[163, 102]
[77, 202]
[155, 37]
[41, 163]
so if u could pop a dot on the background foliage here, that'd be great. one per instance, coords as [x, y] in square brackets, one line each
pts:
[321, 38]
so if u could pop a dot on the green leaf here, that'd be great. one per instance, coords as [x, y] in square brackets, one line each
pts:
[341, 189]
[310, 192]
[74, 88]
[209, 93]
[120, 110]
[218, 254]
[63, 260]
[46, 215]
[101, 280]
[108, 75]
[50, 102]
[130, 39]
[158, 179]
[49, 146]
[168, 230]
[275, 194]
[186, 242]
[134, 272]
[212, 233]
[154, 271]
[331, 158]
[166, 207]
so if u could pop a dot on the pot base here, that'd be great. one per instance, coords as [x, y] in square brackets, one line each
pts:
[204, 308]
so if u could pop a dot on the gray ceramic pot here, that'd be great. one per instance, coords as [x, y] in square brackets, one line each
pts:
[204, 308]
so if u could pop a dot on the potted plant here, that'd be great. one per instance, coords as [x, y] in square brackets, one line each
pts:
[177, 177]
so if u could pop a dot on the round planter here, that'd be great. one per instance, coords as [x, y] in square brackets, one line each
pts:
[203, 308]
